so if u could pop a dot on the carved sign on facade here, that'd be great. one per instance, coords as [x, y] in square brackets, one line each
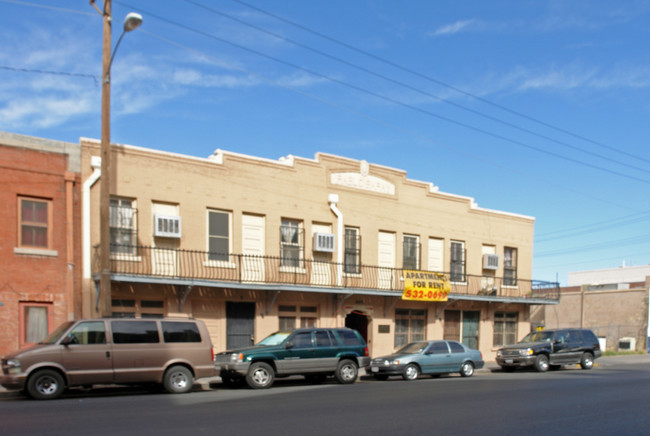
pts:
[363, 180]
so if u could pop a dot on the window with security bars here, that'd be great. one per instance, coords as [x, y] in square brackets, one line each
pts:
[292, 243]
[35, 223]
[411, 252]
[290, 316]
[352, 255]
[505, 328]
[457, 263]
[409, 326]
[510, 266]
[123, 226]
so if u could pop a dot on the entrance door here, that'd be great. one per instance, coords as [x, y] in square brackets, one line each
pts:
[386, 260]
[470, 328]
[240, 325]
[359, 322]
[253, 234]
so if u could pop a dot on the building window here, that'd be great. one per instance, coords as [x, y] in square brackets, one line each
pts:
[219, 235]
[292, 317]
[34, 323]
[505, 328]
[352, 260]
[457, 266]
[35, 223]
[411, 252]
[137, 308]
[409, 326]
[291, 243]
[123, 226]
[510, 266]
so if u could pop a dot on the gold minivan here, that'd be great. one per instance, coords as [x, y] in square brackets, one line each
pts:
[171, 352]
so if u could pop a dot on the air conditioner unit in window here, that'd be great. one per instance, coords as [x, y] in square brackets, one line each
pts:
[324, 242]
[627, 344]
[167, 226]
[491, 261]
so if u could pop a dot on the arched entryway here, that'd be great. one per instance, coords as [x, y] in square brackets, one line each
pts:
[358, 321]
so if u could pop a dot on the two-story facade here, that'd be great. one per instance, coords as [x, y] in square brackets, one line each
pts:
[253, 245]
[39, 237]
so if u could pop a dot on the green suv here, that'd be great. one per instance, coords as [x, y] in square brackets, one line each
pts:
[313, 352]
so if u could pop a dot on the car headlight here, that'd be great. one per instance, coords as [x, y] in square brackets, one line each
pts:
[12, 366]
[526, 352]
[499, 353]
[395, 362]
[236, 357]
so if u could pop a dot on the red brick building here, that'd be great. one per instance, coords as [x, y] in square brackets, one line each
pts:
[40, 234]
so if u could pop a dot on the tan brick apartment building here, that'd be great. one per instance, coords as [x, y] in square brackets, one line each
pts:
[253, 245]
[39, 237]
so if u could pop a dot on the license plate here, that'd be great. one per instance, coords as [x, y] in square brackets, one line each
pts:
[509, 361]
[374, 369]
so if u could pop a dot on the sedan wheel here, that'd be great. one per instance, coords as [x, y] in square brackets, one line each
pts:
[467, 369]
[411, 372]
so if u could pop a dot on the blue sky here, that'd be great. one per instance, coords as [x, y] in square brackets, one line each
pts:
[539, 108]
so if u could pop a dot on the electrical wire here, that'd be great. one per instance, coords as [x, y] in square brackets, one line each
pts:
[439, 82]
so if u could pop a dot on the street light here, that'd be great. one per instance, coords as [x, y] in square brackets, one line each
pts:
[131, 22]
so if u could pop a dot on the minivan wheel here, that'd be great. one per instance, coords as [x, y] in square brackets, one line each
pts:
[411, 372]
[541, 363]
[45, 385]
[178, 380]
[346, 371]
[260, 375]
[587, 361]
[467, 369]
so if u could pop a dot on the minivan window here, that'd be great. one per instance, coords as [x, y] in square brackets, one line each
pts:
[56, 334]
[180, 332]
[87, 333]
[134, 332]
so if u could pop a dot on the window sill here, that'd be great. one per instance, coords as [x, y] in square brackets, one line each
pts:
[35, 252]
[219, 264]
[353, 275]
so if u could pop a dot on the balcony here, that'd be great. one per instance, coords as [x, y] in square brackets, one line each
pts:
[201, 268]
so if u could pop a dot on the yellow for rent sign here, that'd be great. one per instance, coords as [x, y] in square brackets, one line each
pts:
[425, 286]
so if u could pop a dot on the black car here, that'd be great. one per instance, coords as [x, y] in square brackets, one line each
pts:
[551, 349]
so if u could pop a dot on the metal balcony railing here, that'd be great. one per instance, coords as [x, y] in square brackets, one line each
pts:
[142, 261]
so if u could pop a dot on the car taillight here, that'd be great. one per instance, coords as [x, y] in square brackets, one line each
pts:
[212, 354]
[365, 350]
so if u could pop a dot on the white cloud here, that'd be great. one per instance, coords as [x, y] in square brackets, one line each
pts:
[450, 29]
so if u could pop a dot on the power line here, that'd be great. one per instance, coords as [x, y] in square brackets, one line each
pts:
[595, 227]
[418, 90]
[57, 73]
[385, 98]
[439, 82]
[36, 5]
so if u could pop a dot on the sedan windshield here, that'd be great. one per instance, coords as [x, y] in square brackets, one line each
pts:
[537, 337]
[274, 339]
[413, 347]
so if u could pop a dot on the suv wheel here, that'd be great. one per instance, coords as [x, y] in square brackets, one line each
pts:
[45, 385]
[411, 372]
[260, 375]
[541, 363]
[346, 371]
[467, 369]
[587, 361]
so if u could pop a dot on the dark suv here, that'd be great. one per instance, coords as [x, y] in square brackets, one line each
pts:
[551, 349]
[313, 352]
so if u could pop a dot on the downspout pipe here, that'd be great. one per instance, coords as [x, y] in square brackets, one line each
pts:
[96, 164]
[333, 199]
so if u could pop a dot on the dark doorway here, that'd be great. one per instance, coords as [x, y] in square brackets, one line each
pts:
[358, 321]
[240, 324]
